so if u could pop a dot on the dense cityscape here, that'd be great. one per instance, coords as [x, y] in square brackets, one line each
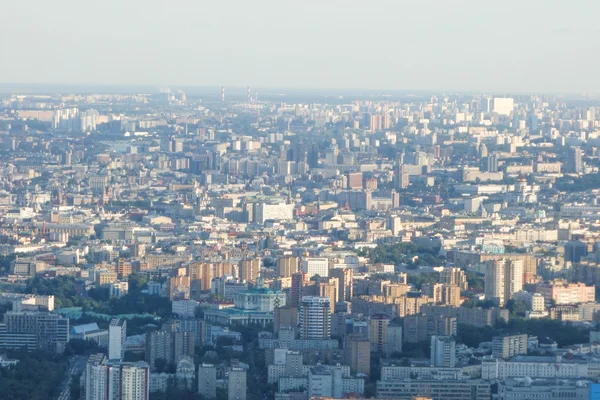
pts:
[293, 246]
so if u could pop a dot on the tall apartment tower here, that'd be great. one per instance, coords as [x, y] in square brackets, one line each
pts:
[207, 381]
[574, 160]
[111, 380]
[378, 332]
[286, 266]
[236, 385]
[358, 355]
[443, 351]
[296, 289]
[250, 269]
[117, 334]
[315, 318]
[345, 277]
[454, 276]
[330, 290]
[503, 278]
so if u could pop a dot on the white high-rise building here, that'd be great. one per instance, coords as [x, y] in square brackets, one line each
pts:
[110, 380]
[315, 318]
[443, 351]
[503, 105]
[117, 334]
[316, 266]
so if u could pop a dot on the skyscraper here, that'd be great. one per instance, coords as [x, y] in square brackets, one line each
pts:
[296, 289]
[117, 334]
[315, 318]
[574, 160]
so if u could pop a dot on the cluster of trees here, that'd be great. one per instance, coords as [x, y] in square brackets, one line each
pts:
[564, 334]
[36, 377]
[583, 183]
[63, 289]
[404, 253]
[65, 295]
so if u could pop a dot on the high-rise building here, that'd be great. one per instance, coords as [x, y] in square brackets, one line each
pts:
[358, 355]
[378, 332]
[454, 276]
[207, 381]
[117, 334]
[575, 250]
[236, 385]
[329, 290]
[443, 351]
[507, 346]
[285, 317]
[315, 318]
[286, 266]
[250, 269]
[298, 279]
[503, 105]
[316, 266]
[503, 278]
[574, 160]
[345, 277]
[394, 339]
[179, 288]
[115, 380]
[451, 295]
[169, 345]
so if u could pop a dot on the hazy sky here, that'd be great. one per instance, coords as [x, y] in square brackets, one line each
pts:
[469, 45]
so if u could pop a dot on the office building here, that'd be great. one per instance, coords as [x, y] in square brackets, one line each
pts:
[236, 385]
[435, 389]
[117, 335]
[207, 381]
[34, 330]
[443, 351]
[114, 380]
[507, 346]
[277, 211]
[575, 250]
[315, 266]
[503, 105]
[315, 318]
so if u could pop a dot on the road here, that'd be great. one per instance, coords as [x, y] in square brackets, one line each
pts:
[77, 365]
